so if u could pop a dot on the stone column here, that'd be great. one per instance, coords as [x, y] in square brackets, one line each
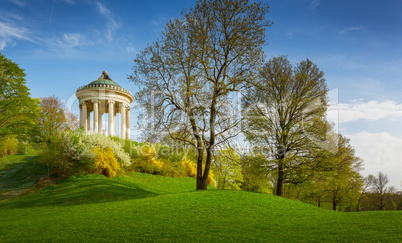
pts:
[114, 121]
[123, 121]
[81, 118]
[111, 118]
[84, 115]
[128, 123]
[96, 115]
[100, 122]
[88, 120]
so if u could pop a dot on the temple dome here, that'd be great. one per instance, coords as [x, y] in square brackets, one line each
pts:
[105, 83]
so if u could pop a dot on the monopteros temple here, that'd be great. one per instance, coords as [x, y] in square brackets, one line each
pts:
[104, 96]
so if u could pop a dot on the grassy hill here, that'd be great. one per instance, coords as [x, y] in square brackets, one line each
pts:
[17, 173]
[142, 207]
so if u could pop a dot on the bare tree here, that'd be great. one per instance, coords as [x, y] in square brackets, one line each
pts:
[187, 78]
[367, 184]
[381, 191]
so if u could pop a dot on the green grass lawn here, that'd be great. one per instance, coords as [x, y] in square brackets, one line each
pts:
[17, 173]
[142, 207]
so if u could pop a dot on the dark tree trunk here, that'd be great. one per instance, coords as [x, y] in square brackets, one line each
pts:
[204, 180]
[334, 203]
[202, 184]
[358, 203]
[279, 186]
[381, 201]
[200, 158]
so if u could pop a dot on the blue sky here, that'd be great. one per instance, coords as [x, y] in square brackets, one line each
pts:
[64, 44]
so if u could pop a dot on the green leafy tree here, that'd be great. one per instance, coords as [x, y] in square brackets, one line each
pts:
[18, 111]
[256, 177]
[339, 180]
[186, 79]
[227, 169]
[285, 111]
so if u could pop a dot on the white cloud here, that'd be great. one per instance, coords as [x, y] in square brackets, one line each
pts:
[19, 3]
[102, 9]
[380, 152]
[9, 32]
[372, 111]
[349, 29]
[131, 49]
[111, 25]
[69, 2]
[72, 40]
[8, 16]
[67, 43]
[314, 4]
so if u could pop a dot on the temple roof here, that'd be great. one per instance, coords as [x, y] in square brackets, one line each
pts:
[104, 82]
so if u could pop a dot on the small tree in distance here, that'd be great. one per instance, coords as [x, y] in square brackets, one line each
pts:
[53, 119]
[381, 192]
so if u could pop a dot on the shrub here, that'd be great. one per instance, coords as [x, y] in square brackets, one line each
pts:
[9, 146]
[100, 141]
[106, 163]
[72, 153]
[67, 155]
[191, 170]
[149, 153]
[211, 180]
[190, 167]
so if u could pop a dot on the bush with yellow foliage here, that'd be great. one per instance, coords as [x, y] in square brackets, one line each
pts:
[106, 162]
[191, 169]
[150, 155]
[8, 146]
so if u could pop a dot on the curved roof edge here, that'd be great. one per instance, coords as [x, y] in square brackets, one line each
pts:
[105, 84]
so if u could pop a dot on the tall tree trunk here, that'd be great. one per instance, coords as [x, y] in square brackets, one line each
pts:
[334, 203]
[381, 201]
[358, 202]
[279, 185]
[204, 181]
[200, 158]
[200, 151]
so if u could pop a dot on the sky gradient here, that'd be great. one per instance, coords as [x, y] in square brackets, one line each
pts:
[64, 44]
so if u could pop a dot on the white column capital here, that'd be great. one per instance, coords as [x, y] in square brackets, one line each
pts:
[111, 102]
[95, 101]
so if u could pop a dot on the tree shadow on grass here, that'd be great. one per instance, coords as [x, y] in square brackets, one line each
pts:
[18, 174]
[90, 190]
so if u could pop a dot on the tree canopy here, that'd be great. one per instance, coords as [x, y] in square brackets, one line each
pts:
[285, 110]
[18, 111]
[187, 77]
[53, 119]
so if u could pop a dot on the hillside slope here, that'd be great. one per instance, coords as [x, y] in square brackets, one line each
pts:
[142, 207]
[18, 173]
